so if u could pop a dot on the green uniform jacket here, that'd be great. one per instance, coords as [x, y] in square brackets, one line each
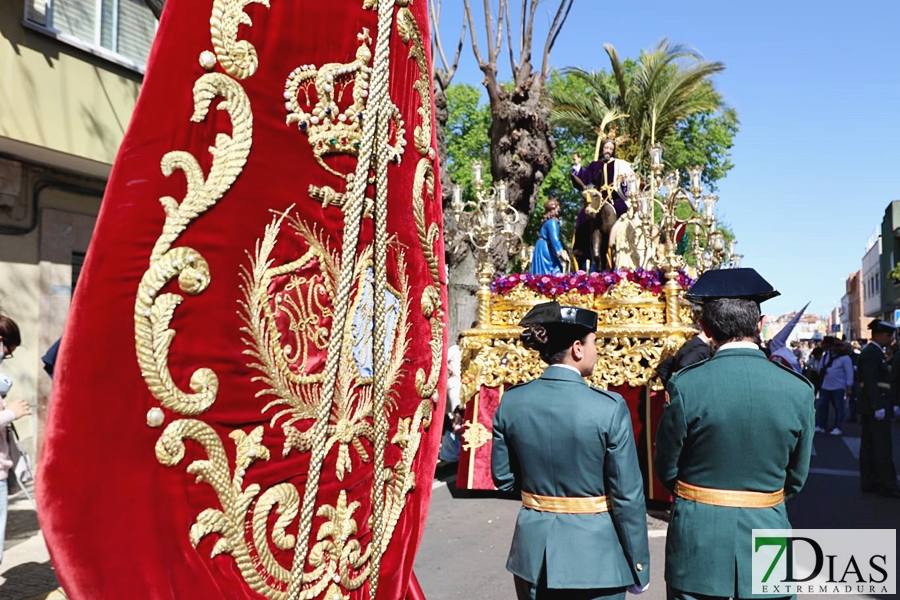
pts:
[557, 436]
[734, 422]
[871, 369]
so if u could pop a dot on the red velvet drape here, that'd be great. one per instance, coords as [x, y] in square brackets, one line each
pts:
[118, 522]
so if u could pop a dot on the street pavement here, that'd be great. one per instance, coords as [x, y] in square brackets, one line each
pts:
[466, 540]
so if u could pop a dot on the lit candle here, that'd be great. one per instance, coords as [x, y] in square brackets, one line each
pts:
[476, 171]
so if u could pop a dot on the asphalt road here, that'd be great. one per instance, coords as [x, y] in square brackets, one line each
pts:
[466, 541]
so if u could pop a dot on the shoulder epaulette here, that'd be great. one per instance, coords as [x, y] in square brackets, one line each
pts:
[690, 367]
[792, 372]
[611, 395]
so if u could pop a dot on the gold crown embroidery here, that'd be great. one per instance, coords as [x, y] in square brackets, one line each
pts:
[330, 128]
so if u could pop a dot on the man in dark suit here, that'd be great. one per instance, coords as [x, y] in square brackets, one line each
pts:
[569, 448]
[876, 405]
[733, 442]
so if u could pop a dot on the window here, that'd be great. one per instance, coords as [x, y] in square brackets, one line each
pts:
[123, 27]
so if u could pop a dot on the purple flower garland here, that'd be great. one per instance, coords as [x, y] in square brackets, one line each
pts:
[587, 283]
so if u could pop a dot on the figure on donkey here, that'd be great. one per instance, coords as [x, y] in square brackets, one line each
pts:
[603, 184]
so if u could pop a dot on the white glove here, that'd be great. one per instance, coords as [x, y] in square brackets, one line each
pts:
[897, 411]
[637, 589]
[879, 414]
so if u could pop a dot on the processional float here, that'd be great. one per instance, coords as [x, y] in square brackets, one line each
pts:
[243, 405]
[643, 318]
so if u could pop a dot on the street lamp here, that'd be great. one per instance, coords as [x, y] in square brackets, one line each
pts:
[488, 222]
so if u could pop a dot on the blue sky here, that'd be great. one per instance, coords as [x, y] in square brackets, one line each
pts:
[816, 85]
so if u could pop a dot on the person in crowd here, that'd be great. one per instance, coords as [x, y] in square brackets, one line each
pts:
[856, 348]
[692, 351]
[778, 351]
[811, 368]
[569, 449]
[877, 403]
[549, 253]
[837, 385]
[10, 339]
[733, 443]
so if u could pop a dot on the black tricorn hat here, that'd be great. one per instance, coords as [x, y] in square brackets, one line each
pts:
[550, 314]
[878, 326]
[744, 284]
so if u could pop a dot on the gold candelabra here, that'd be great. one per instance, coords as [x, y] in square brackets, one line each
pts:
[682, 210]
[488, 223]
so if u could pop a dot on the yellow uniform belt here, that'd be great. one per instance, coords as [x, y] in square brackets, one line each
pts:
[730, 498]
[567, 506]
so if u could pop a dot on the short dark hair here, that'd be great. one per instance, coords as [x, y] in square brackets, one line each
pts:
[553, 345]
[731, 318]
[9, 331]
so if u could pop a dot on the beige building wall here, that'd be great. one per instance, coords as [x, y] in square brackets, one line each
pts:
[63, 113]
[57, 99]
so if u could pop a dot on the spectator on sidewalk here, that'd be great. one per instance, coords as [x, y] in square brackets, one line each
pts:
[9, 341]
[837, 385]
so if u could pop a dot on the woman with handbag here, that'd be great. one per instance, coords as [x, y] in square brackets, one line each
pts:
[9, 341]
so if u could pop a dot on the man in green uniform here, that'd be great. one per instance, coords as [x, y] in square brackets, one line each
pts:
[569, 448]
[876, 405]
[733, 442]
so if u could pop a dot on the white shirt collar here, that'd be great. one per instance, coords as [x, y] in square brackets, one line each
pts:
[564, 366]
[742, 345]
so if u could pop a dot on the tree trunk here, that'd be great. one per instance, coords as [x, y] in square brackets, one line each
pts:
[521, 145]
[461, 263]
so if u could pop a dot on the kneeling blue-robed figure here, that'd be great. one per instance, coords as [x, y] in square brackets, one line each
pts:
[569, 448]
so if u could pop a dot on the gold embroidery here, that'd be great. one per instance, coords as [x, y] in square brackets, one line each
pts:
[238, 58]
[410, 34]
[403, 480]
[330, 128]
[229, 157]
[335, 408]
[423, 183]
[153, 312]
[337, 557]
[476, 435]
[234, 498]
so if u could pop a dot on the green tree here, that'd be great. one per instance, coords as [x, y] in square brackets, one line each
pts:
[468, 122]
[665, 96]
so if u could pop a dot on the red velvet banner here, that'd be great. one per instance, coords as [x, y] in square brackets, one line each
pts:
[243, 402]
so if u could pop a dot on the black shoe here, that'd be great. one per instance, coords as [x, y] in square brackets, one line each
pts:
[890, 493]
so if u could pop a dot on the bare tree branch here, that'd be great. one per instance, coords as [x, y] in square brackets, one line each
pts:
[502, 10]
[522, 29]
[471, 22]
[449, 70]
[509, 41]
[529, 31]
[562, 13]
